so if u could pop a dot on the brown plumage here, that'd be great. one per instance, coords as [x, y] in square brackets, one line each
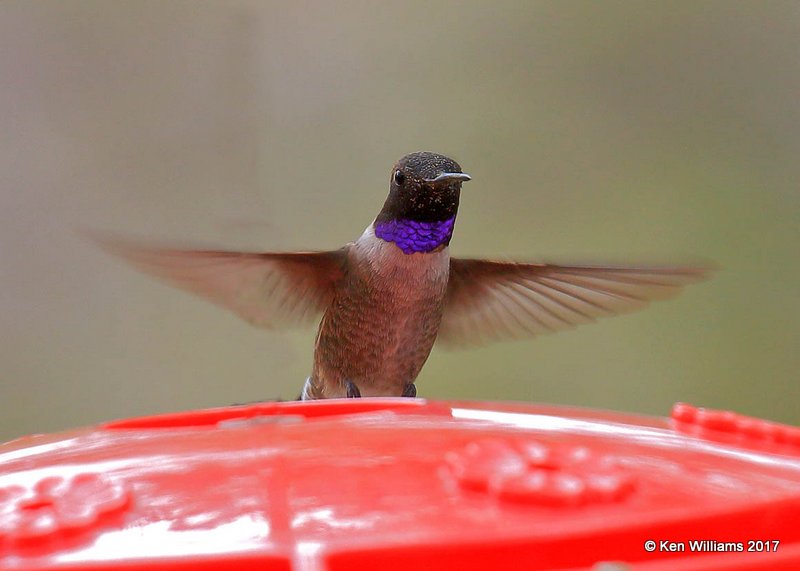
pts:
[489, 301]
[385, 300]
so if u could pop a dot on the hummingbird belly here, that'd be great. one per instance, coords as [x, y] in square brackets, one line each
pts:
[383, 321]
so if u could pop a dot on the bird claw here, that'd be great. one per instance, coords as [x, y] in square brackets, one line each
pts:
[352, 390]
[410, 390]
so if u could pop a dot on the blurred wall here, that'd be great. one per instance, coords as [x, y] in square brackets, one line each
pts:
[616, 131]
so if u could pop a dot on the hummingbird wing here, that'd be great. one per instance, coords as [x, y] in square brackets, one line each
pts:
[491, 301]
[268, 290]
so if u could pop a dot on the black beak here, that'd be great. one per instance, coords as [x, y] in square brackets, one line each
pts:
[459, 176]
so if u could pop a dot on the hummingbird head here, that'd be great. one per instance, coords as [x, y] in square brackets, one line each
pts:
[420, 211]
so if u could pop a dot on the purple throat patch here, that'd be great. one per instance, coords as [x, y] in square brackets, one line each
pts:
[412, 236]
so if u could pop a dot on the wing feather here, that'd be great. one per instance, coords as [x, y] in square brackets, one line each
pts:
[488, 300]
[270, 290]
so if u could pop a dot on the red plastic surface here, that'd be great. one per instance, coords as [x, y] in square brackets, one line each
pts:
[405, 484]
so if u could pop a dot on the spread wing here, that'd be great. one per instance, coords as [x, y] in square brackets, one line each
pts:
[490, 301]
[266, 289]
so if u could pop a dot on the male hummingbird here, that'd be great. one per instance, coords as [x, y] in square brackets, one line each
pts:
[389, 295]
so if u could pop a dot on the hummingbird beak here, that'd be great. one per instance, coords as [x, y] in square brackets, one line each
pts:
[459, 176]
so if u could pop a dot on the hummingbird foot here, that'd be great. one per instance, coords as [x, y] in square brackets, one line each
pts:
[352, 390]
[410, 390]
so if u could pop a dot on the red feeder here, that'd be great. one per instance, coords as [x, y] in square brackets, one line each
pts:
[388, 484]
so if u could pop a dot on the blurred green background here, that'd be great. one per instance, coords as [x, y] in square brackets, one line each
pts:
[594, 132]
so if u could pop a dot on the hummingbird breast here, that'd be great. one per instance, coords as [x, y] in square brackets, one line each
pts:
[383, 320]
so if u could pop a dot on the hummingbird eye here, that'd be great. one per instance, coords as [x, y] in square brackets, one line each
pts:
[399, 177]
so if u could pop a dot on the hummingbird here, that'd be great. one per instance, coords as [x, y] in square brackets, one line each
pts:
[387, 297]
